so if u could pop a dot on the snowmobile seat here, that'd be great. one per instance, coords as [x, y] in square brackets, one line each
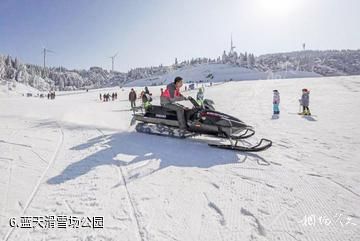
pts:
[189, 113]
[160, 111]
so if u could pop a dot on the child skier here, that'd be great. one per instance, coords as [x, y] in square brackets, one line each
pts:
[276, 102]
[146, 98]
[200, 96]
[304, 101]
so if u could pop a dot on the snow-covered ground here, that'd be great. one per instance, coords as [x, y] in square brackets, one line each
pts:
[219, 73]
[77, 156]
[9, 89]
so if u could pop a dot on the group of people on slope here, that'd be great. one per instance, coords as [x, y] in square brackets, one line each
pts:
[172, 94]
[145, 96]
[107, 97]
[51, 95]
[304, 102]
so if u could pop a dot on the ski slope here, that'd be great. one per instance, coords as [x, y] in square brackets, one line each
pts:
[77, 156]
[215, 72]
[9, 90]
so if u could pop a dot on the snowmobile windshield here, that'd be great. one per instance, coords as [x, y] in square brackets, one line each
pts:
[193, 102]
[210, 102]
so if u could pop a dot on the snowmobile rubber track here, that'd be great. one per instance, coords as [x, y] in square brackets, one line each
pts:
[162, 130]
[256, 148]
[167, 131]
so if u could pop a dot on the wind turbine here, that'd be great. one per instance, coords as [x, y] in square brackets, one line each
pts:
[113, 60]
[45, 50]
[232, 47]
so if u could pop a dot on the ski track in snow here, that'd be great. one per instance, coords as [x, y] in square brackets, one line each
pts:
[10, 166]
[139, 230]
[260, 228]
[36, 188]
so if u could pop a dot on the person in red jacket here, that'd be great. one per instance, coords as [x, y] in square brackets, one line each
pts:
[161, 92]
[169, 98]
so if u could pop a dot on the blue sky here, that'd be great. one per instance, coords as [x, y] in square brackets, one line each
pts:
[84, 33]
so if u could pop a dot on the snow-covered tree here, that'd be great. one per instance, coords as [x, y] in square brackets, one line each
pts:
[16, 64]
[8, 61]
[245, 57]
[224, 57]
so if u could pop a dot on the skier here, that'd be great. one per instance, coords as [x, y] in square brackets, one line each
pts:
[147, 90]
[200, 96]
[100, 97]
[276, 102]
[132, 98]
[161, 92]
[170, 96]
[146, 99]
[305, 100]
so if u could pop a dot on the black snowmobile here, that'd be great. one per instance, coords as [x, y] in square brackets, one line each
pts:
[201, 120]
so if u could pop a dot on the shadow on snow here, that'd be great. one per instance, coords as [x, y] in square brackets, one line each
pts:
[117, 148]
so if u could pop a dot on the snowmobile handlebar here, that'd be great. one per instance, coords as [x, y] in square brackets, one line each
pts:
[193, 101]
[206, 105]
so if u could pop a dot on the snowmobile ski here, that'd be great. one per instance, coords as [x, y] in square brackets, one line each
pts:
[245, 134]
[261, 146]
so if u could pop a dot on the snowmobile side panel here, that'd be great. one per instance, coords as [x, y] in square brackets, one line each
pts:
[156, 120]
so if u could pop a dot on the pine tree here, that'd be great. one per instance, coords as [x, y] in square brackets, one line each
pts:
[253, 60]
[250, 61]
[8, 61]
[224, 57]
[16, 64]
[245, 57]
